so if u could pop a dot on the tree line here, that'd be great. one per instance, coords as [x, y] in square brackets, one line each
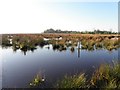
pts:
[82, 32]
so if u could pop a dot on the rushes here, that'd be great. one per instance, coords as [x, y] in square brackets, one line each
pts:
[37, 81]
[111, 44]
[76, 81]
[106, 77]
[89, 42]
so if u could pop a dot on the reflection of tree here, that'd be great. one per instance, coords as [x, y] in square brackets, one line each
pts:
[59, 47]
[24, 51]
[14, 49]
[3, 46]
[72, 49]
[48, 47]
[41, 45]
[32, 50]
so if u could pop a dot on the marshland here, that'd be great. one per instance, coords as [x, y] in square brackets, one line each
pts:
[59, 44]
[60, 60]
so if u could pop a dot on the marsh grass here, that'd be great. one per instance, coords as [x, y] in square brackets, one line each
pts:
[59, 47]
[105, 77]
[37, 81]
[88, 42]
[111, 44]
[76, 81]
[98, 45]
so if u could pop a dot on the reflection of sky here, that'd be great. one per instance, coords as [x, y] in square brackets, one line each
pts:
[19, 69]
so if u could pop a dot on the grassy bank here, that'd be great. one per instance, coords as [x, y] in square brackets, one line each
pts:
[106, 77]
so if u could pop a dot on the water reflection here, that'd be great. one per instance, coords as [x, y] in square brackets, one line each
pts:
[79, 47]
[19, 70]
[55, 58]
[58, 47]
[25, 51]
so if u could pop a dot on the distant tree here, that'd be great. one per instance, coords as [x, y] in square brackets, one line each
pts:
[49, 31]
[83, 32]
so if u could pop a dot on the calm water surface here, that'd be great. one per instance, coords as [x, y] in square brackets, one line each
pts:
[20, 68]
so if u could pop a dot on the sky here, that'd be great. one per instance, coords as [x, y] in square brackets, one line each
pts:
[35, 16]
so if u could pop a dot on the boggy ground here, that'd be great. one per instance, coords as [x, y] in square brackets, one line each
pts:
[61, 41]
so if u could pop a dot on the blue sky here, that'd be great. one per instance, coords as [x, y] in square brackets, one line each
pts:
[34, 16]
[98, 15]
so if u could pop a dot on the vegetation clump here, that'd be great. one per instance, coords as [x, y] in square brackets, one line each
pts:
[106, 77]
[37, 81]
[76, 81]
[88, 42]
[59, 47]
[72, 49]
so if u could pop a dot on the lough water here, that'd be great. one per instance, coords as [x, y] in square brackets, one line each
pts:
[19, 68]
